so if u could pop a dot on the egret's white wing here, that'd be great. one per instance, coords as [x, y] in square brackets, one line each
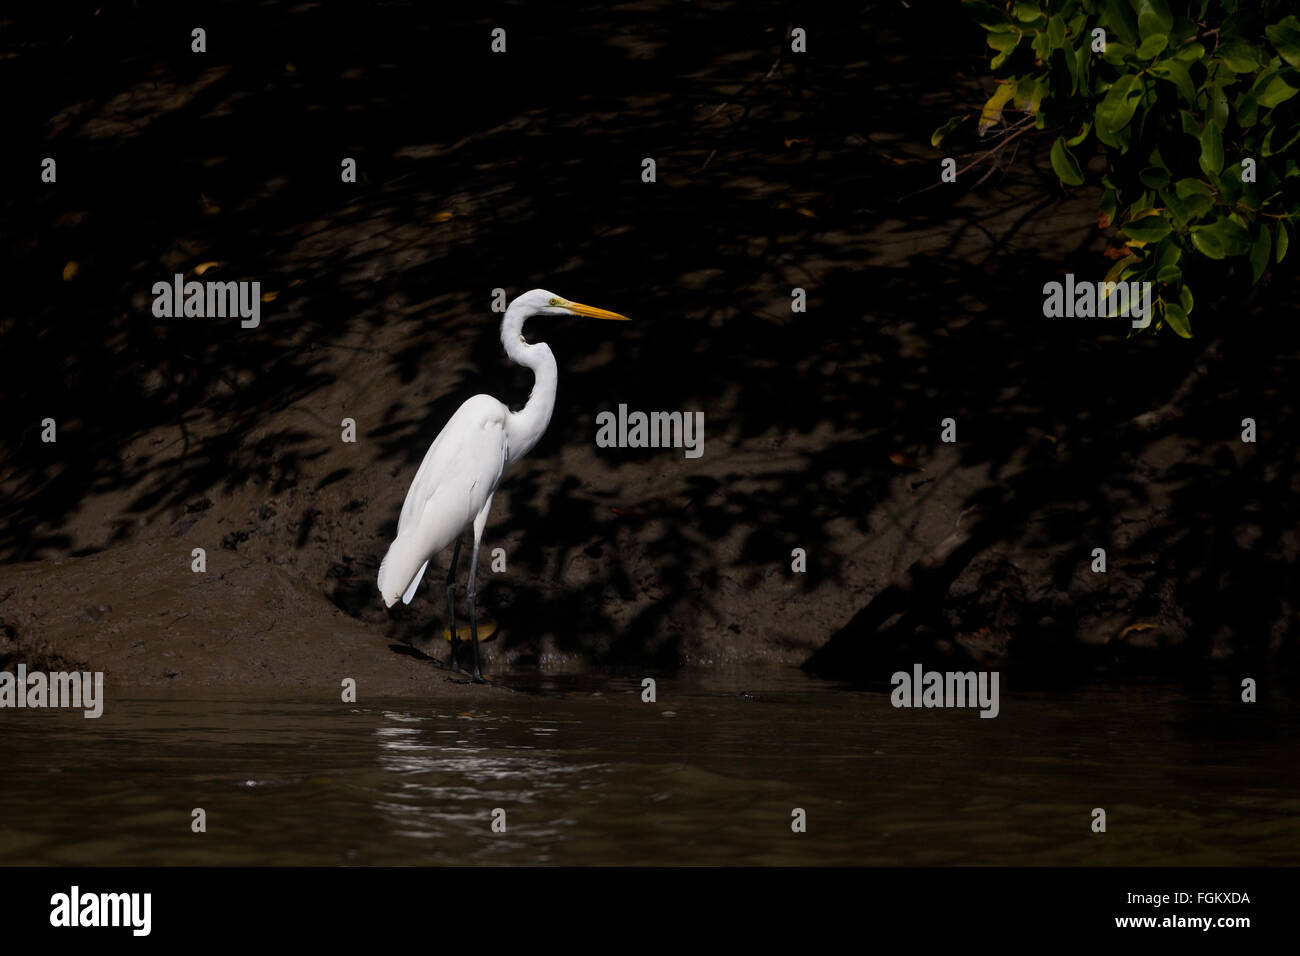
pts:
[461, 468]
[459, 473]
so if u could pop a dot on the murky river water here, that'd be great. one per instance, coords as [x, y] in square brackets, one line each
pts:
[710, 774]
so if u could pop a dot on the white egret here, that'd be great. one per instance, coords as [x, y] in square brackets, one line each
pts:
[464, 465]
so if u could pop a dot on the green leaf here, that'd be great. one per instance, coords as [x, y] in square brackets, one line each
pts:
[1083, 134]
[1278, 88]
[1066, 166]
[1003, 41]
[1153, 17]
[1239, 56]
[1188, 202]
[1108, 204]
[1154, 177]
[1041, 46]
[1192, 187]
[1147, 229]
[1026, 11]
[1116, 53]
[991, 114]
[1237, 235]
[1190, 52]
[1177, 210]
[1029, 93]
[1207, 242]
[1194, 207]
[1177, 74]
[1185, 299]
[1169, 275]
[1176, 319]
[1217, 101]
[1120, 270]
[1230, 186]
[1285, 36]
[1279, 138]
[1283, 241]
[1211, 150]
[1153, 46]
[1247, 111]
[1120, 18]
[938, 135]
[1260, 251]
[1056, 32]
[1117, 107]
[1223, 235]
[1167, 253]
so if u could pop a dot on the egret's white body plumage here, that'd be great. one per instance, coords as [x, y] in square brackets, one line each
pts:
[464, 465]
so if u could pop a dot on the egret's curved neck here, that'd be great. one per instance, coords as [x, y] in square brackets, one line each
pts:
[525, 427]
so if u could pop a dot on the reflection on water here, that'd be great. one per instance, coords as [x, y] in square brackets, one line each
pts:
[587, 773]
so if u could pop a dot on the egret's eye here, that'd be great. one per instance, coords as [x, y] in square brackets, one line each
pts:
[552, 301]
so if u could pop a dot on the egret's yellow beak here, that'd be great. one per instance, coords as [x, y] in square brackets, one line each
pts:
[592, 312]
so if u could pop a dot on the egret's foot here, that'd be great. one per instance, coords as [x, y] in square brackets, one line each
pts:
[470, 678]
[473, 677]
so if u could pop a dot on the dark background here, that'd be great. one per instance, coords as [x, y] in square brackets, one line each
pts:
[775, 171]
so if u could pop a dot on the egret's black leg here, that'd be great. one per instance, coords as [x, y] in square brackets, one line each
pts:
[480, 523]
[451, 607]
[473, 610]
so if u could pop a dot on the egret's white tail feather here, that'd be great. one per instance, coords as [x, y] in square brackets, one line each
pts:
[400, 571]
[419, 576]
